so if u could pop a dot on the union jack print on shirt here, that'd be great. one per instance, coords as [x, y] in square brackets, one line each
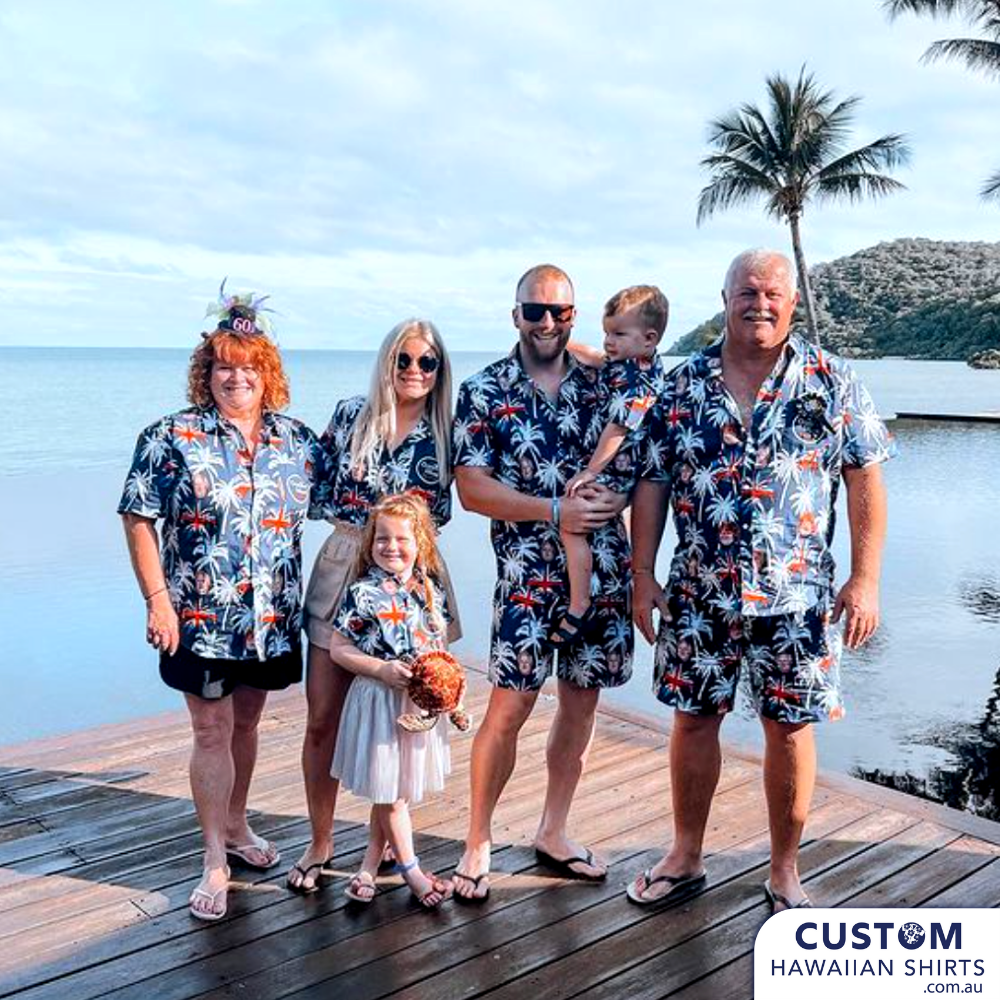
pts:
[754, 509]
[231, 525]
[630, 388]
[386, 618]
[411, 468]
[504, 422]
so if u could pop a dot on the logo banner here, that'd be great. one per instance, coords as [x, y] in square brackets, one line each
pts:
[878, 953]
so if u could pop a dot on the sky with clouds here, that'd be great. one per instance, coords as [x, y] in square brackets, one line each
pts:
[368, 161]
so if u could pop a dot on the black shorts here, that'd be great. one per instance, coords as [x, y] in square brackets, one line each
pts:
[213, 678]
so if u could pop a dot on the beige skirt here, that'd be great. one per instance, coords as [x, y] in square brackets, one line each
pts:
[334, 572]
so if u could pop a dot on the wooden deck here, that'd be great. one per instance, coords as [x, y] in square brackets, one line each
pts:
[99, 850]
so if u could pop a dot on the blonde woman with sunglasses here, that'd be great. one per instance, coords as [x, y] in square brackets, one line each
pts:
[397, 439]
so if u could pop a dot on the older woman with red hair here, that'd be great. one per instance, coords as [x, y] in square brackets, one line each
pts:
[229, 480]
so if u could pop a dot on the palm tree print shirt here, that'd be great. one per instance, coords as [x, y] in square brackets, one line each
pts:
[754, 509]
[232, 522]
[387, 618]
[631, 388]
[411, 468]
[506, 423]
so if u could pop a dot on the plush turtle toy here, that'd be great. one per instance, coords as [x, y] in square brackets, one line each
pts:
[437, 688]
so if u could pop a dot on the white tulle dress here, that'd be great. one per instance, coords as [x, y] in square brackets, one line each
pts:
[374, 757]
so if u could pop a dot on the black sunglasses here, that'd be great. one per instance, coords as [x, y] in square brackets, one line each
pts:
[427, 363]
[534, 312]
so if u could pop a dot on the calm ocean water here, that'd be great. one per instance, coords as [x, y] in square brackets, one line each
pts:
[922, 699]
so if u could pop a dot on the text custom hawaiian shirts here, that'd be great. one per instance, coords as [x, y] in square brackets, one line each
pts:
[412, 467]
[504, 422]
[389, 619]
[232, 522]
[754, 511]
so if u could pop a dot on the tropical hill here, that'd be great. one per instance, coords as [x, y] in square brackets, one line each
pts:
[915, 298]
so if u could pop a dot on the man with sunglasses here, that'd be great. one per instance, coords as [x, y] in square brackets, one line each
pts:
[523, 426]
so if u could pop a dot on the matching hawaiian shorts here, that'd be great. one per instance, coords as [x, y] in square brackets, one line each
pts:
[521, 656]
[789, 665]
[212, 679]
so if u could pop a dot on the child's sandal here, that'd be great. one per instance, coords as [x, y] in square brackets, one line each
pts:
[439, 887]
[569, 629]
[361, 888]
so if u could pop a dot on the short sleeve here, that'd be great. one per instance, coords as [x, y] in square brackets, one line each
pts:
[472, 438]
[631, 394]
[441, 507]
[866, 439]
[151, 479]
[654, 455]
[355, 619]
[333, 443]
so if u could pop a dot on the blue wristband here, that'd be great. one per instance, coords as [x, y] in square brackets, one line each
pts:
[555, 512]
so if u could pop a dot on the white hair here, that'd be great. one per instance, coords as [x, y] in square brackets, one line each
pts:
[759, 260]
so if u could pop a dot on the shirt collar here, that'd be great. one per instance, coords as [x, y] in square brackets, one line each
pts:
[413, 583]
[709, 359]
[213, 418]
[516, 375]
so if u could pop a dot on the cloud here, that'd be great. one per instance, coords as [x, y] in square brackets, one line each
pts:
[367, 161]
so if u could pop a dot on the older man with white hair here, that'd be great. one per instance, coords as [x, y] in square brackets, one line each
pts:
[748, 444]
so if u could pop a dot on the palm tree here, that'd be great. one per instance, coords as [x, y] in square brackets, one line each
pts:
[793, 153]
[979, 54]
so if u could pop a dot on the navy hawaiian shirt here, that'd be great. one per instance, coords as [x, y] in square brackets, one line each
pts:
[631, 387]
[754, 510]
[232, 522]
[389, 619]
[504, 422]
[412, 467]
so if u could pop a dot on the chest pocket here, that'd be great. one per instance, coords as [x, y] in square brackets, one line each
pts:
[806, 429]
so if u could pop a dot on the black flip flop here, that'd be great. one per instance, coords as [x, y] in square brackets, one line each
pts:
[681, 887]
[564, 865]
[308, 890]
[773, 897]
[475, 880]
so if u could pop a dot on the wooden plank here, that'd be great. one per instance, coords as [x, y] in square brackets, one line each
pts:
[102, 848]
[652, 763]
[981, 889]
[930, 875]
[730, 982]
[631, 935]
[836, 886]
[482, 947]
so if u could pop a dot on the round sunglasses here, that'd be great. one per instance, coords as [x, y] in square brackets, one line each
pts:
[427, 363]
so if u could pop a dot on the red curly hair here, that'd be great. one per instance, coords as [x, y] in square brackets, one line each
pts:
[238, 349]
[413, 508]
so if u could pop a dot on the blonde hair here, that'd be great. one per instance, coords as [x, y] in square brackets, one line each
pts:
[376, 422]
[414, 509]
[654, 309]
